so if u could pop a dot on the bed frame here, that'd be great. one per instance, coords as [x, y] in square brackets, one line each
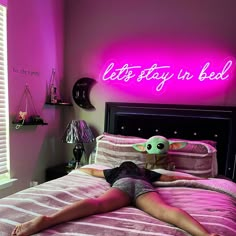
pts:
[215, 123]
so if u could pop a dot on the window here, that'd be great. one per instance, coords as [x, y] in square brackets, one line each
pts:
[4, 112]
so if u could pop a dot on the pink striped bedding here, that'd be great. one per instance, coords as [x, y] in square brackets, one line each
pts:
[212, 202]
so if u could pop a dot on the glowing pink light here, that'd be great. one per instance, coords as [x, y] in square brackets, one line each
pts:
[164, 73]
[213, 75]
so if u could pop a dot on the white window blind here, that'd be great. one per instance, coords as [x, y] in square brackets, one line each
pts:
[4, 117]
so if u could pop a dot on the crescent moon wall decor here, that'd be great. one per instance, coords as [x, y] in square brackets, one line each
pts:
[80, 92]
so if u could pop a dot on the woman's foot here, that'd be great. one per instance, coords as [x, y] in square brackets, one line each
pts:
[32, 226]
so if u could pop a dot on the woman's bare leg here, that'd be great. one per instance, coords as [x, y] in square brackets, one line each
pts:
[111, 200]
[152, 204]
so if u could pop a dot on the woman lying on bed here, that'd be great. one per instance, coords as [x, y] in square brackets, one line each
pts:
[130, 185]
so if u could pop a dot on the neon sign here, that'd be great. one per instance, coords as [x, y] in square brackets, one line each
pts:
[162, 74]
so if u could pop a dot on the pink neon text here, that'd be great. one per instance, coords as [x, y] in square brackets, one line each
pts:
[213, 75]
[164, 73]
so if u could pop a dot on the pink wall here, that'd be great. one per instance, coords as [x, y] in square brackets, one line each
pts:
[180, 34]
[35, 46]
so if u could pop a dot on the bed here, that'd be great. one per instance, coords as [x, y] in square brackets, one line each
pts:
[212, 201]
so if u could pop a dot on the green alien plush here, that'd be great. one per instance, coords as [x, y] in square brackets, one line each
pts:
[157, 148]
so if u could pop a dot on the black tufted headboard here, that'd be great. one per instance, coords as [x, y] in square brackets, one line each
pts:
[179, 121]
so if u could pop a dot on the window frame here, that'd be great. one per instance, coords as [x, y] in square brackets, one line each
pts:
[4, 100]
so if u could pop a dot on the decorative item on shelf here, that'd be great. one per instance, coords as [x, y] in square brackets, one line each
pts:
[53, 97]
[52, 94]
[27, 114]
[78, 133]
[80, 92]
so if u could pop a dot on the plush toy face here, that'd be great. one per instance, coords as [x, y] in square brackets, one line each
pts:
[158, 145]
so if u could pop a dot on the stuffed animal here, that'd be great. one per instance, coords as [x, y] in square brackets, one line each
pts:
[157, 148]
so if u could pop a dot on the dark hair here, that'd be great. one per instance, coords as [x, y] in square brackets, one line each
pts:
[129, 165]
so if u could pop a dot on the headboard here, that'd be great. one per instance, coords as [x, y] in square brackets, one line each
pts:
[215, 123]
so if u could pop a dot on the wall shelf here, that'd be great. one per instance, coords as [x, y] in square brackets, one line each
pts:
[59, 104]
[26, 112]
[28, 123]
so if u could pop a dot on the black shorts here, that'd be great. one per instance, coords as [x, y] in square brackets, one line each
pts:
[133, 187]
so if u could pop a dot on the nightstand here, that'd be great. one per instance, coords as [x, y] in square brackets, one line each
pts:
[57, 171]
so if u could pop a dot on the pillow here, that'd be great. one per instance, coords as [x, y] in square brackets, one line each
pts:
[122, 139]
[112, 150]
[197, 158]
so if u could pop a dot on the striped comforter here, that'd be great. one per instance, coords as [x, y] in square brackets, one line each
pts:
[212, 202]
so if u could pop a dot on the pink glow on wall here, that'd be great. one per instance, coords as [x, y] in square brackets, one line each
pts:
[154, 70]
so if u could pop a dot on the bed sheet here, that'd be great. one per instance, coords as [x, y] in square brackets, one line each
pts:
[212, 202]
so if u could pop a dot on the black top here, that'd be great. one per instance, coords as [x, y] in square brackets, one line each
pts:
[129, 169]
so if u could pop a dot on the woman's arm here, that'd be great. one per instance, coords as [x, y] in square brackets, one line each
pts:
[168, 178]
[93, 172]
